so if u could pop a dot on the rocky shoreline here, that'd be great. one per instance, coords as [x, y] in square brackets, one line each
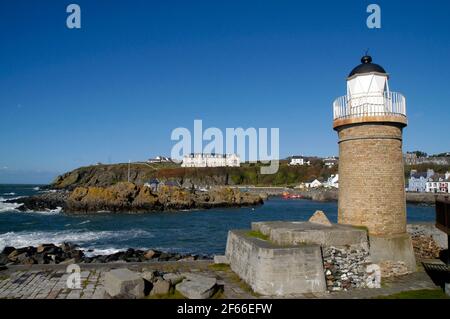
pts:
[128, 197]
[328, 194]
[68, 253]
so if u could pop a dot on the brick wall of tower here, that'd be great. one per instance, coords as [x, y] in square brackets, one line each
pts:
[371, 177]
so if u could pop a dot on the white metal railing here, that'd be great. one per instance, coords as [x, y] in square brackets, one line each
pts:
[387, 103]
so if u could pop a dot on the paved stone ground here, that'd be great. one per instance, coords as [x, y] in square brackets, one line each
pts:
[49, 281]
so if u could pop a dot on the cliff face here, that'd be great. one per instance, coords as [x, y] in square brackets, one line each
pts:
[107, 175]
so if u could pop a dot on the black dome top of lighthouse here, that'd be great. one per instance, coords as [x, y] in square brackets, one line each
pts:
[367, 66]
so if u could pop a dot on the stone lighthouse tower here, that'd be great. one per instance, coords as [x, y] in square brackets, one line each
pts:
[369, 121]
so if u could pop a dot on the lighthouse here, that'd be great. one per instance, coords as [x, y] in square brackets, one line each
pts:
[369, 121]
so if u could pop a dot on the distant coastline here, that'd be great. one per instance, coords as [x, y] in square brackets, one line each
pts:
[329, 194]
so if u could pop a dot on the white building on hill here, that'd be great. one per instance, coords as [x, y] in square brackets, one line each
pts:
[211, 160]
[314, 184]
[298, 160]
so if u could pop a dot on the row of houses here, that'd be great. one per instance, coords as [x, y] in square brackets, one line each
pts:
[429, 182]
[296, 160]
[211, 160]
[331, 182]
[154, 184]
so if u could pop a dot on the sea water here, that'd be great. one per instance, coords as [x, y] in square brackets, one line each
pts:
[195, 231]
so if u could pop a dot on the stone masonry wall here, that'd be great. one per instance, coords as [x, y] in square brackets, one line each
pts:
[371, 177]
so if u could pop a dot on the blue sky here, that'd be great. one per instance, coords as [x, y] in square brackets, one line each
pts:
[116, 89]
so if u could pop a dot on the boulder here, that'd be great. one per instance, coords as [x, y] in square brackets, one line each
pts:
[3, 259]
[149, 276]
[160, 287]
[45, 247]
[124, 283]
[197, 286]
[8, 250]
[173, 278]
[320, 218]
[149, 254]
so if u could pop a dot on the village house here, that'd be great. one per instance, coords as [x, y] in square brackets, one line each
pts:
[438, 183]
[330, 161]
[314, 184]
[155, 184]
[160, 159]
[298, 160]
[418, 181]
[211, 160]
[332, 181]
[429, 182]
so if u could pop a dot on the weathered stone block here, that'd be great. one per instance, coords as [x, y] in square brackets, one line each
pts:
[394, 248]
[197, 286]
[320, 218]
[174, 278]
[295, 233]
[275, 270]
[160, 287]
[124, 283]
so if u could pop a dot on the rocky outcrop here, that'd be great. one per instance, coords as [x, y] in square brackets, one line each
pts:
[129, 197]
[51, 200]
[124, 197]
[69, 253]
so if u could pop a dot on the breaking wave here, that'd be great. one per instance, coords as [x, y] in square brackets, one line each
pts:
[8, 207]
[85, 239]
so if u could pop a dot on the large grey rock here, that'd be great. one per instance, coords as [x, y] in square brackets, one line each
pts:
[148, 275]
[197, 286]
[124, 283]
[320, 218]
[174, 278]
[160, 287]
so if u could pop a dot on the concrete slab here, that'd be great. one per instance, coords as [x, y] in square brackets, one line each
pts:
[393, 248]
[275, 270]
[295, 233]
[197, 286]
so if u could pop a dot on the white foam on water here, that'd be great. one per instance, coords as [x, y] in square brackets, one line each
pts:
[102, 251]
[86, 239]
[55, 211]
[84, 222]
[108, 250]
[12, 198]
[9, 194]
[36, 188]
[8, 207]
